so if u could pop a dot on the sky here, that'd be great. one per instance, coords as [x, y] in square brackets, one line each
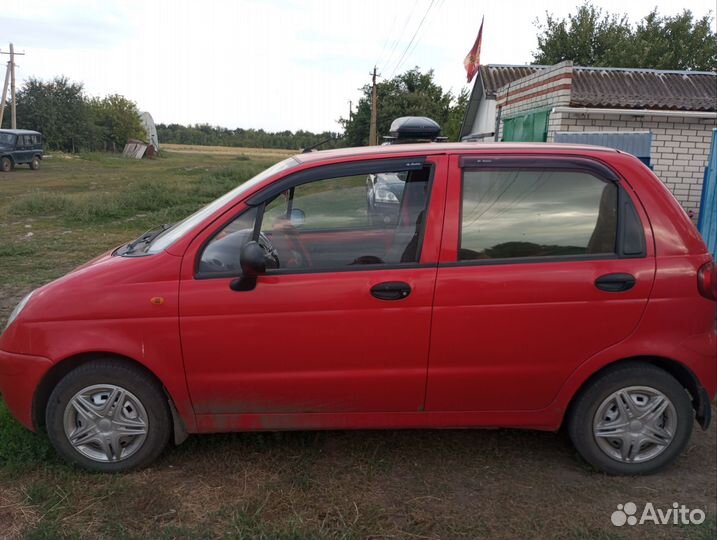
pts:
[272, 64]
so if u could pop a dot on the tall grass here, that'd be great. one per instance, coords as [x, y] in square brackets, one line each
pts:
[168, 199]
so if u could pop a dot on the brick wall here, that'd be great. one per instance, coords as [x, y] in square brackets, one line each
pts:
[679, 152]
[545, 89]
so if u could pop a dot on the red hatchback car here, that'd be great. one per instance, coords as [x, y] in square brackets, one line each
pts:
[525, 286]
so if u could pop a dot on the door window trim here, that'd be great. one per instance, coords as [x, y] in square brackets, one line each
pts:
[337, 170]
[602, 172]
[259, 201]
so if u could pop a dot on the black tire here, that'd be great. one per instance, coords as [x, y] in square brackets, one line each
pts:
[35, 163]
[6, 164]
[585, 407]
[122, 374]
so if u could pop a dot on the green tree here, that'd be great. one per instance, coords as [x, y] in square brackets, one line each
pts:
[592, 37]
[412, 93]
[116, 120]
[677, 42]
[204, 134]
[58, 110]
[452, 127]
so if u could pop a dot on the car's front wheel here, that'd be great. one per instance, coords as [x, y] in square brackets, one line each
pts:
[35, 163]
[108, 416]
[633, 419]
[6, 164]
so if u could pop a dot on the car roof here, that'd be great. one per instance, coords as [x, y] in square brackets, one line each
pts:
[444, 148]
[20, 132]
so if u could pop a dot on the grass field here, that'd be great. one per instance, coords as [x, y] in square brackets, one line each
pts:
[395, 484]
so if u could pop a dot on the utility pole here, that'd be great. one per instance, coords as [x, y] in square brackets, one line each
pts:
[13, 111]
[4, 93]
[11, 69]
[350, 110]
[372, 135]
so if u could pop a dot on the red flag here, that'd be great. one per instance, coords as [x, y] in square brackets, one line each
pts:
[472, 60]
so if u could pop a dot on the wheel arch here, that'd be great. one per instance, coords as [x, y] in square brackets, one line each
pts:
[63, 367]
[681, 372]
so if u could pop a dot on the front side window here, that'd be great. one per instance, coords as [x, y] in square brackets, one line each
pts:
[536, 213]
[7, 139]
[331, 223]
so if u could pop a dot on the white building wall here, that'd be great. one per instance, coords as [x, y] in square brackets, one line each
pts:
[679, 152]
[485, 118]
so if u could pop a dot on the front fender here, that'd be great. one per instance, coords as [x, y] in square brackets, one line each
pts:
[153, 343]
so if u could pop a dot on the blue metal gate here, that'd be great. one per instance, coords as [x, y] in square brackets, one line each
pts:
[637, 143]
[707, 222]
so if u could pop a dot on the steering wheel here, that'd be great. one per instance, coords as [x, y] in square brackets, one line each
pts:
[269, 250]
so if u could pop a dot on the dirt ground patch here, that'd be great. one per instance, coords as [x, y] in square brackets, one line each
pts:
[230, 150]
[499, 484]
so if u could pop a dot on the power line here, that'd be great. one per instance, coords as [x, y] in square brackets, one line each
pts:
[435, 10]
[420, 35]
[400, 61]
[398, 38]
[385, 40]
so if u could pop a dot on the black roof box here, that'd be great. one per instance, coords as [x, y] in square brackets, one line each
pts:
[415, 127]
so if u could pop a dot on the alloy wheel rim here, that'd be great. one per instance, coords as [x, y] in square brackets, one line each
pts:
[635, 424]
[106, 423]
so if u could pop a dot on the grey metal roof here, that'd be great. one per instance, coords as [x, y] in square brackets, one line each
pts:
[621, 88]
[644, 89]
[494, 76]
[20, 132]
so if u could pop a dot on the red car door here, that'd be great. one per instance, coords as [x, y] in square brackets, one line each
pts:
[315, 335]
[545, 261]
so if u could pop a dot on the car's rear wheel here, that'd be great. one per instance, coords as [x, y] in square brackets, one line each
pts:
[108, 416]
[6, 164]
[634, 419]
[35, 163]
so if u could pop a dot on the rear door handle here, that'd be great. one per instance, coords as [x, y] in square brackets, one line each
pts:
[615, 282]
[391, 290]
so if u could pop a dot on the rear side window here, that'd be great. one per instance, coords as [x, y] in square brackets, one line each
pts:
[536, 213]
[27, 141]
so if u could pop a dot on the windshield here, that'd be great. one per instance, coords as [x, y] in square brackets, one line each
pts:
[7, 138]
[180, 228]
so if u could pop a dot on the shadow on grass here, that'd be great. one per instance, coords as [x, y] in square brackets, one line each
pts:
[21, 449]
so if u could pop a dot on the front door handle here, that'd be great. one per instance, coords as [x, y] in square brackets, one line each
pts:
[615, 282]
[391, 290]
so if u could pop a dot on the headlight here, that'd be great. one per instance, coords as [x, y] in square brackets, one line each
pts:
[386, 196]
[20, 306]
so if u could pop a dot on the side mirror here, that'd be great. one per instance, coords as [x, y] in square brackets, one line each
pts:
[252, 259]
[253, 264]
